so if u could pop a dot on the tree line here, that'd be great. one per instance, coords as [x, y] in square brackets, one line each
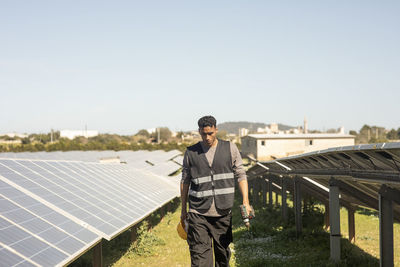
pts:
[375, 134]
[162, 139]
[53, 142]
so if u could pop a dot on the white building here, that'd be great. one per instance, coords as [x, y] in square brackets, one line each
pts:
[273, 128]
[16, 135]
[243, 132]
[71, 134]
[271, 146]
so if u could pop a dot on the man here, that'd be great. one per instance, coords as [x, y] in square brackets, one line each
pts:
[209, 171]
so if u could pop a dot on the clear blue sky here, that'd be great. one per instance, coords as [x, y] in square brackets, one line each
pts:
[120, 66]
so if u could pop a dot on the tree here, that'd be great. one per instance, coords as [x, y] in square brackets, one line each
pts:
[364, 135]
[143, 132]
[180, 134]
[222, 134]
[352, 132]
[25, 140]
[365, 128]
[165, 134]
[392, 134]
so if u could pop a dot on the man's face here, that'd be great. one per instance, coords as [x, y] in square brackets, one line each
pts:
[209, 135]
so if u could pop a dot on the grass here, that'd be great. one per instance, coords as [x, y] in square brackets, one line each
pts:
[161, 247]
[367, 232]
[270, 242]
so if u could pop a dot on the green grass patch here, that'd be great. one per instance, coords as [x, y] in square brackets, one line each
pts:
[270, 241]
[146, 243]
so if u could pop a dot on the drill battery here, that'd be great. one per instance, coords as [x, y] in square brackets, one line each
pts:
[246, 215]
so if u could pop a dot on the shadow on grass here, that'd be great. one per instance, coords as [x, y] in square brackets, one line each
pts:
[368, 212]
[114, 249]
[272, 242]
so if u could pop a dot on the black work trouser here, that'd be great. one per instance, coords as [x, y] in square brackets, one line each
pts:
[204, 233]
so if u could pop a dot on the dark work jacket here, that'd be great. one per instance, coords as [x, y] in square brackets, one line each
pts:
[208, 182]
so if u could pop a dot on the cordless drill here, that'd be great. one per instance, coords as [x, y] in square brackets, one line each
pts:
[246, 216]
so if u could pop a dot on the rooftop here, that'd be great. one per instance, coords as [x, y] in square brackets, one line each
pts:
[300, 136]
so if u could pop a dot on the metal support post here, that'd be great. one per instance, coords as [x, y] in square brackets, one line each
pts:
[150, 227]
[352, 226]
[276, 199]
[270, 193]
[133, 233]
[306, 204]
[326, 217]
[249, 182]
[334, 218]
[264, 192]
[257, 185]
[284, 203]
[385, 229]
[162, 213]
[297, 204]
[254, 191]
[167, 207]
[98, 255]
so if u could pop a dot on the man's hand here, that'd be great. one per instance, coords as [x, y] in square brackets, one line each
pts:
[248, 207]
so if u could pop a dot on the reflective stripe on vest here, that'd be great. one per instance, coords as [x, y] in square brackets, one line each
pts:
[206, 179]
[207, 193]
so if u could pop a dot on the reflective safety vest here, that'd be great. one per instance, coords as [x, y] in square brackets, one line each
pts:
[208, 182]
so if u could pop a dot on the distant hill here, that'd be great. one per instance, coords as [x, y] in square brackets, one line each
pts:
[233, 126]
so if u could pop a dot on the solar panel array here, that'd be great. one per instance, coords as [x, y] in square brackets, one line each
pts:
[52, 211]
[363, 175]
[363, 168]
[158, 161]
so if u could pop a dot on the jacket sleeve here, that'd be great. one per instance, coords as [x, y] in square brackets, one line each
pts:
[237, 163]
[186, 177]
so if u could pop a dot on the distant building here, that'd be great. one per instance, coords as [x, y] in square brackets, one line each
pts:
[263, 129]
[243, 132]
[273, 128]
[305, 125]
[151, 130]
[71, 134]
[12, 135]
[10, 142]
[16, 136]
[271, 146]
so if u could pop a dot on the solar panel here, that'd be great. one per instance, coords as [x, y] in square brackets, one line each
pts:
[10, 257]
[109, 198]
[25, 217]
[157, 161]
[179, 160]
[165, 168]
[29, 245]
[52, 210]
[361, 169]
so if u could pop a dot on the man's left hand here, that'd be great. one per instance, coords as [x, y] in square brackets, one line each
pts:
[248, 208]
